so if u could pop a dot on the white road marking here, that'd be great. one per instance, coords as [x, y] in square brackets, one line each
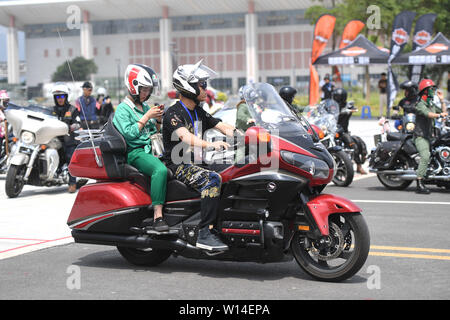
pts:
[402, 202]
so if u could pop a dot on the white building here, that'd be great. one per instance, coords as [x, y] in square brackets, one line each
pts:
[260, 40]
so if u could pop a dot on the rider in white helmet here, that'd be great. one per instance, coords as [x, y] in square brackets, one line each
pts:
[71, 116]
[137, 122]
[183, 125]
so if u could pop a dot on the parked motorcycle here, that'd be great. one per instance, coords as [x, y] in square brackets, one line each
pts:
[324, 122]
[353, 145]
[35, 159]
[395, 161]
[267, 213]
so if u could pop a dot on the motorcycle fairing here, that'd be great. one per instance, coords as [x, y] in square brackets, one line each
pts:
[19, 159]
[322, 206]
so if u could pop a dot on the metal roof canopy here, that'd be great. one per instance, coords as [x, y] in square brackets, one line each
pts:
[57, 11]
[437, 51]
[360, 52]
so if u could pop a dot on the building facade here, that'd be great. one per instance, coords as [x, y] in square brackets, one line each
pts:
[251, 43]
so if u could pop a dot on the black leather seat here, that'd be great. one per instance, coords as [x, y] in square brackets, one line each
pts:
[394, 136]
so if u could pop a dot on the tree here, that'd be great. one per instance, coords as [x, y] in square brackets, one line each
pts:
[80, 68]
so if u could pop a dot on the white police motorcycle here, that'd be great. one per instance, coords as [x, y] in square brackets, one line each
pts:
[35, 159]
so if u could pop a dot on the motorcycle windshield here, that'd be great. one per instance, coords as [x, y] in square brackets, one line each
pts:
[269, 111]
[324, 115]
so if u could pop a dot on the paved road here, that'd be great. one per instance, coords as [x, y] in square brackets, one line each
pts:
[409, 257]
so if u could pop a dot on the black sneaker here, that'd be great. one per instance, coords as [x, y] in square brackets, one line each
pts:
[160, 225]
[208, 241]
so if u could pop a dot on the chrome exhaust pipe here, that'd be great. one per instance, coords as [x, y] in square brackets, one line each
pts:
[393, 172]
[433, 177]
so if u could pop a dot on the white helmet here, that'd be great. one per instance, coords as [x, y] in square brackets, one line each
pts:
[101, 91]
[187, 77]
[138, 76]
[60, 88]
[241, 92]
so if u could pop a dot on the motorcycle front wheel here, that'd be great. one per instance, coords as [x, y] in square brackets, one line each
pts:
[338, 256]
[144, 256]
[344, 169]
[14, 180]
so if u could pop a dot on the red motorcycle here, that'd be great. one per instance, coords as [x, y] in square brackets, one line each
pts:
[268, 213]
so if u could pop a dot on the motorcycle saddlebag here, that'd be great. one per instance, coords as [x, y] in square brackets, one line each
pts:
[110, 153]
[384, 154]
[409, 147]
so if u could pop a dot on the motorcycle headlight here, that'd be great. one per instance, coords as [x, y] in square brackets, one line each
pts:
[27, 137]
[410, 126]
[317, 168]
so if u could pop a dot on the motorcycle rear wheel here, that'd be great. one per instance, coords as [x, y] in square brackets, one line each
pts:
[144, 256]
[14, 180]
[344, 169]
[349, 240]
[393, 184]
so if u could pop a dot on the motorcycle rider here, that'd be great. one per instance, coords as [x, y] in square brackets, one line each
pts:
[340, 96]
[426, 112]
[4, 99]
[137, 122]
[288, 94]
[183, 124]
[68, 114]
[243, 118]
[408, 103]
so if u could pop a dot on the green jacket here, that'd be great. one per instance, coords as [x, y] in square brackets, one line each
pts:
[425, 125]
[242, 116]
[126, 121]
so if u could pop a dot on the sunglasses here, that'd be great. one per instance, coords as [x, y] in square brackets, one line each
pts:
[203, 84]
[61, 96]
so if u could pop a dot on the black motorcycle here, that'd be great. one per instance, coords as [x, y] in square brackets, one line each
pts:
[353, 145]
[395, 161]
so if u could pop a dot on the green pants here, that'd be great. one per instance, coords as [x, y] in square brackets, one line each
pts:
[423, 147]
[151, 166]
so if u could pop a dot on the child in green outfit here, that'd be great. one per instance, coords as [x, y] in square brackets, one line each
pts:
[137, 122]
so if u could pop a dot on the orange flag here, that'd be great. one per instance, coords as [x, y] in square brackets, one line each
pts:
[351, 30]
[322, 32]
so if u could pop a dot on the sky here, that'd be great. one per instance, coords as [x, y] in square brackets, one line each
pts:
[3, 56]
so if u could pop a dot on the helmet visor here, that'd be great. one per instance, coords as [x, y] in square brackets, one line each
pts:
[156, 85]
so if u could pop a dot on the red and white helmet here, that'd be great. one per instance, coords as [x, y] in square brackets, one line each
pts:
[138, 76]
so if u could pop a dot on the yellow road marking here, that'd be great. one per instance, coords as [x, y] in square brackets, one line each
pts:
[410, 249]
[405, 255]
[414, 255]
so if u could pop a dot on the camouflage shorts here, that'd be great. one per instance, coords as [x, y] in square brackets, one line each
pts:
[206, 182]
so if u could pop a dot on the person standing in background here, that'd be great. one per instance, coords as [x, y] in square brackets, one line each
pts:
[87, 106]
[382, 85]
